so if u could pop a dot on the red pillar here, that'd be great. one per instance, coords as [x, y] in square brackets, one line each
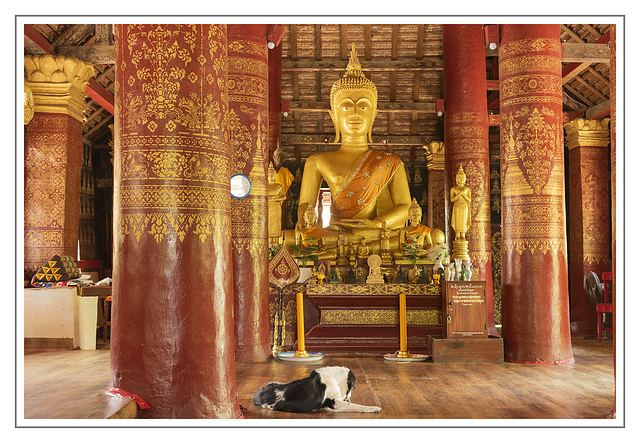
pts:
[612, 75]
[172, 336]
[466, 139]
[589, 227]
[53, 157]
[535, 293]
[275, 86]
[249, 123]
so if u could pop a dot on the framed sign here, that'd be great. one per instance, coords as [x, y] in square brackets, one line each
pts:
[465, 309]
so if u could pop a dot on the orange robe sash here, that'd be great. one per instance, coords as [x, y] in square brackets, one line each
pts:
[361, 189]
[415, 235]
[312, 236]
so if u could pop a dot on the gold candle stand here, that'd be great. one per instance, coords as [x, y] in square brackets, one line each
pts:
[403, 352]
[301, 352]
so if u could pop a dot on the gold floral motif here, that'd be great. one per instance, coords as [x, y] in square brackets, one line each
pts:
[530, 84]
[526, 46]
[415, 317]
[248, 89]
[177, 164]
[387, 289]
[161, 225]
[172, 196]
[466, 117]
[247, 47]
[496, 270]
[250, 66]
[537, 147]
[530, 63]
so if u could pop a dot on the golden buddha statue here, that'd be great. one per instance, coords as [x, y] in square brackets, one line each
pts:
[461, 198]
[363, 249]
[311, 234]
[415, 239]
[277, 195]
[368, 187]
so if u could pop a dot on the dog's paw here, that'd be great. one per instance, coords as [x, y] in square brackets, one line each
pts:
[373, 409]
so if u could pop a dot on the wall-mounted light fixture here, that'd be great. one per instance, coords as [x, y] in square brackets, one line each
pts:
[492, 36]
[284, 107]
[274, 37]
[440, 107]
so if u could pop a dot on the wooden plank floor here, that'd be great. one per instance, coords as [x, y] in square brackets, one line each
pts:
[72, 384]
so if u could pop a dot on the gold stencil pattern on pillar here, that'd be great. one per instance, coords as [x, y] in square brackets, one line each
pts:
[174, 162]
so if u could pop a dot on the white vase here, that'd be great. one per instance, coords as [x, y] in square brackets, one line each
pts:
[437, 267]
[467, 268]
[449, 272]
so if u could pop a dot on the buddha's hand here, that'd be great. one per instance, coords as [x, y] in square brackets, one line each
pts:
[359, 223]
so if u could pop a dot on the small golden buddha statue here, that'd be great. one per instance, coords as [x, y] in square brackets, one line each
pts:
[277, 195]
[311, 234]
[363, 249]
[368, 187]
[415, 239]
[461, 198]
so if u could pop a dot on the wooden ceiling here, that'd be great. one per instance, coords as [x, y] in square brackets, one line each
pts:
[403, 60]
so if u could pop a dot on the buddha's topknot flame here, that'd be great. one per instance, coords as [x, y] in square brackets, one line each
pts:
[354, 78]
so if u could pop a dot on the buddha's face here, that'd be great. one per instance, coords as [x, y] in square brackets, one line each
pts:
[354, 112]
[310, 218]
[460, 179]
[272, 175]
[415, 217]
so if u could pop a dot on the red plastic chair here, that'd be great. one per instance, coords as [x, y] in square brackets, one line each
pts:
[606, 307]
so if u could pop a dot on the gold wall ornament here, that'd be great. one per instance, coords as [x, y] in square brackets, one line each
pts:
[58, 83]
[415, 317]
[29, 105]
[583, 132]
[434, 152]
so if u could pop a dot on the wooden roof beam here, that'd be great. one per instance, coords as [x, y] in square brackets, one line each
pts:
[383, 106]
[404, 64]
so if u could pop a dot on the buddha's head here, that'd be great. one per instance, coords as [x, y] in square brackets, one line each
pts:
[461, 177]
[272, 173]
[415, 213]
[354, 101]
[310, 216]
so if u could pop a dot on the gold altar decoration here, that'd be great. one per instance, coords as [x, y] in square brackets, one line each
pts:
[29, 105]
[58, 83]
[283, 271]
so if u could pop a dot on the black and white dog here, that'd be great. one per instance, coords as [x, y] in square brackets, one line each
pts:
[326, 388]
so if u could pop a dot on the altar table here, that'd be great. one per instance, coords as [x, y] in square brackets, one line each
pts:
[360, 318]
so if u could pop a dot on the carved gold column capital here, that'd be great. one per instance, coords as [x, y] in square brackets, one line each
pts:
[58, 83]
[435, 155]
[583, 132]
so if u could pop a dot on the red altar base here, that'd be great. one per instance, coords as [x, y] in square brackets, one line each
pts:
[362, 318]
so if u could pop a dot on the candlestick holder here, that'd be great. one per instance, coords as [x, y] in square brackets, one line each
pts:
[403, 355]
[301, 354]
